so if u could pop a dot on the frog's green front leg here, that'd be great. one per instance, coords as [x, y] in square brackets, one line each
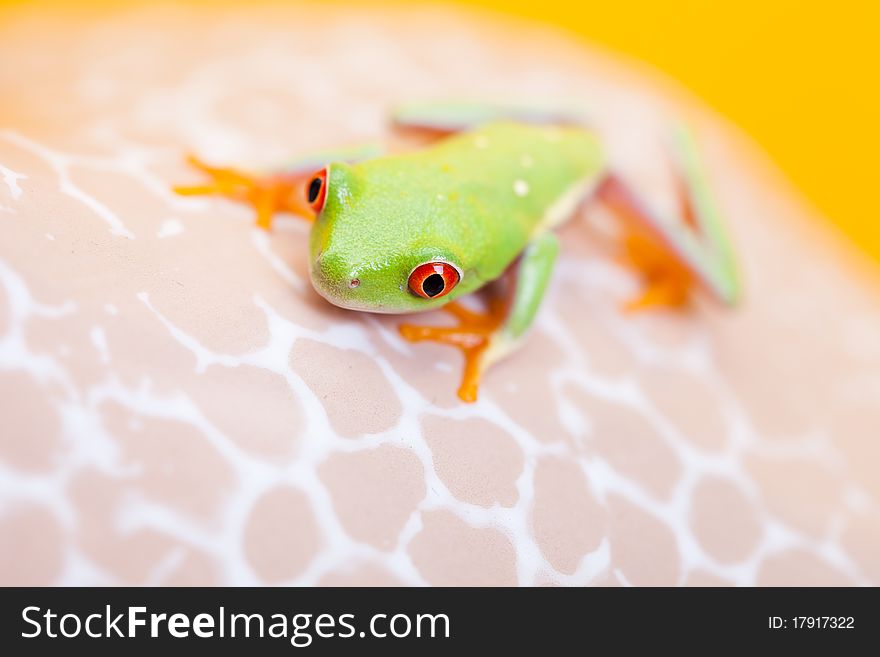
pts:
[485, 338]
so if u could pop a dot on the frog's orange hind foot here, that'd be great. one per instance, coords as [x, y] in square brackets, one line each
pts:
[267, 194]
[667, 283]
[658, 294]
[474, 336]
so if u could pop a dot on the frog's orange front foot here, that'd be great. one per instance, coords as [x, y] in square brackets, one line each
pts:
[267, 194]
[475, 334]
[667, 283]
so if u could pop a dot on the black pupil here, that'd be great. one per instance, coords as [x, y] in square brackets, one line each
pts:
[314, 189]
[433, 285]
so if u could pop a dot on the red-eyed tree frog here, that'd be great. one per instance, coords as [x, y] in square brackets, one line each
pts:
[411, 232]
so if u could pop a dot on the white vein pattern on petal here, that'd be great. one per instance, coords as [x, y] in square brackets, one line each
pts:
[11, 179]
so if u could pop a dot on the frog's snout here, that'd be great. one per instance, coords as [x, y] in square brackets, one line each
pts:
[348, 283]
[332, 279]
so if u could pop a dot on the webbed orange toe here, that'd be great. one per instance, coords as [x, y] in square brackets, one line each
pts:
[267, 194]
[473, 336]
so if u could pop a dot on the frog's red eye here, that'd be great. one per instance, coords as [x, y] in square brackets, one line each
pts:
[433, 279]
[316, 191]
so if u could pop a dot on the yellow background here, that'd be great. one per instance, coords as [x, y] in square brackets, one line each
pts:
[802, 77]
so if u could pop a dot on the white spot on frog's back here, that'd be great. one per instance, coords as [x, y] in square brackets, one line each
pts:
[481, 141]
[520, 187]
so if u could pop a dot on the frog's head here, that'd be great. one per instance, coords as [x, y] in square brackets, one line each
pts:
[372, 246]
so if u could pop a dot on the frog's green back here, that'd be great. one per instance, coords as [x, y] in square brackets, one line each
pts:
[474, 199]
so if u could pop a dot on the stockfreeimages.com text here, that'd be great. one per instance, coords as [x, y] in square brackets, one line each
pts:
[300, 629]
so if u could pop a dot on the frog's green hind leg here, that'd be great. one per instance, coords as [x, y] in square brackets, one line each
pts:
[674, 255]
[283, 190]
[445, 117]
[485, 338]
